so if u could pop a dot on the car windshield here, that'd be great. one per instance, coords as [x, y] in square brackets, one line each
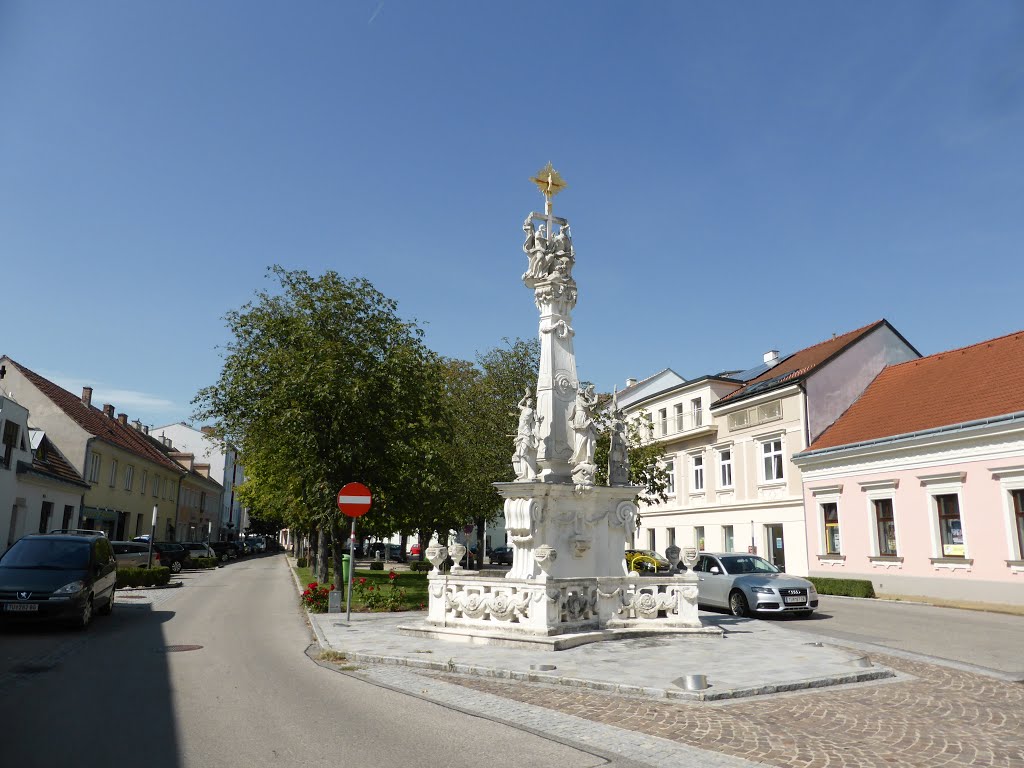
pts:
[748, 564]
[51, 554]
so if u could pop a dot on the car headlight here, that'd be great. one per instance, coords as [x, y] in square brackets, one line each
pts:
[72, 588]
[762, 590]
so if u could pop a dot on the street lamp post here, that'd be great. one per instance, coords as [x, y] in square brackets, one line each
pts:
[152, 535]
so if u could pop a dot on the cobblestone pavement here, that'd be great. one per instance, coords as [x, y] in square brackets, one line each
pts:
[930, 716]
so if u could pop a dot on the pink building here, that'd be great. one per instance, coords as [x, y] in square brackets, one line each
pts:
[919, 486]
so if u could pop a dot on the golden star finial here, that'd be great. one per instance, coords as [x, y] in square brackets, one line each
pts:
[549, 181]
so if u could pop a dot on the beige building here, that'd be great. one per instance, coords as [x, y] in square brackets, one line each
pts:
[729, 439]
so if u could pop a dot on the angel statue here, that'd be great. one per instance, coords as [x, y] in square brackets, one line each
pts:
[618, 447]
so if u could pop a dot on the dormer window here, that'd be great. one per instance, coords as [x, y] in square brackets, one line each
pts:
[11, 430]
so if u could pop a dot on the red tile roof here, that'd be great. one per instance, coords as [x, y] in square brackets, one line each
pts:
[47, 460]
[94, 421]
[799, 364]
[976, 382]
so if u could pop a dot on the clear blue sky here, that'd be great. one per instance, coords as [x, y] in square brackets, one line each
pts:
[742, 176]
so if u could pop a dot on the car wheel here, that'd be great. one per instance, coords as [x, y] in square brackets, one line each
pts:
[107, 609]
[176, 566]
[738, 604]
[85, 617]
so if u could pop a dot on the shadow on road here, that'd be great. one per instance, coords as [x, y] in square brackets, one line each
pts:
[88, 698]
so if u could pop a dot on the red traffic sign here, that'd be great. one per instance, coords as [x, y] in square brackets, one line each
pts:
[354, 499]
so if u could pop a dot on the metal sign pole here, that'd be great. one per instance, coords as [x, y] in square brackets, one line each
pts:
[351, 571]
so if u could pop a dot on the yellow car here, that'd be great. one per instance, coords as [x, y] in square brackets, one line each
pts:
[646, 561]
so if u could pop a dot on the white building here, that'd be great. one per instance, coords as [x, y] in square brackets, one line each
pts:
[224, 468]
[729, 439]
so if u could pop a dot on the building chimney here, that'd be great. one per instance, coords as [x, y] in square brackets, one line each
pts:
[108, 410]
[203, 469]
[123, 418]
[771, 357]
[206, 430]
[137, 424]
[145, 429]
[86, 396]
[630, 382]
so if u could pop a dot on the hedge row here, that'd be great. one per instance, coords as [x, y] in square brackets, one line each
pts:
[301, 562]
[420, 565]
[846, 587]
[204, 562]
[143, 577]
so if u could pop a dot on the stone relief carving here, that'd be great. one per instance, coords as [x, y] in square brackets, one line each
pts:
[527, 441]
[625, 515]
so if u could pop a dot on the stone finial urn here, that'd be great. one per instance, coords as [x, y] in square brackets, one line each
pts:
[458, 551]
[436, 555]
[545, 556]
[672, 555]
[690, 557]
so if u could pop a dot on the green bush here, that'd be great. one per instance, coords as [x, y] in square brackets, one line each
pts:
[844, 587]
[302, 562]
[376, 565]
[420, 565]
[143, 577]
[204, 562]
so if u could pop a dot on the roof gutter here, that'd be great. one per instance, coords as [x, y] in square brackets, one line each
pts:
[908, 436]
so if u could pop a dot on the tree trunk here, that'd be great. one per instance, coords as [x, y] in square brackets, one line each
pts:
[313, 550]
[481, 542]
[337, 550]
[321, 558]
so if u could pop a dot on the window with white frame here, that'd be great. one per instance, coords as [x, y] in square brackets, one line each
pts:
[94, 466]
[663, 420]
[679, 417]
[670, 477]
[697, 464]
[728, 538]
[113, 472]
[1018, 518]
[772, 463]
[696, 413]
[951, 530]
[725, 468]
[650, 538]
[698, 537]
[671, 537]
[830, 518]
[145, 482]
[156, 486]
[885, 527]
[129, 477]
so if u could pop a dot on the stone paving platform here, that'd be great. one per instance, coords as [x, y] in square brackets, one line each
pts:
[748, 658]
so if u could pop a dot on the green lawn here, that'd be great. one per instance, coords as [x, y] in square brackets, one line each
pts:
[414, 584]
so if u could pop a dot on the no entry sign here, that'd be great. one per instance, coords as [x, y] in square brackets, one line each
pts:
[354, 499]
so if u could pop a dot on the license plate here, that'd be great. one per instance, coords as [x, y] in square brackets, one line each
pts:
[21, 607]
[795, 600]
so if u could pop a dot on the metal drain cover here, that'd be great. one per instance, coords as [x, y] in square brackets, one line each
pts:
[178, 648]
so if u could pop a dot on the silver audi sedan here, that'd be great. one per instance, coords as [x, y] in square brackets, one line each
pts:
[748, 584]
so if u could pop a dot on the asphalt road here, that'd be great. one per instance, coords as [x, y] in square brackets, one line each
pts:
[118, 694]
[990, 640]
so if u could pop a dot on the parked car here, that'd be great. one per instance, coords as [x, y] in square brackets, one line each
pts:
[131, 554]
[224, 550]
[387, 552]
[646, 561]
[501, 556]
[58, 576]
[415, 550]
[172, 555]
[197, 549]
[748, 584]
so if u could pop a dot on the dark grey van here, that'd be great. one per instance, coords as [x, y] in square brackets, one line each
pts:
[58, 576]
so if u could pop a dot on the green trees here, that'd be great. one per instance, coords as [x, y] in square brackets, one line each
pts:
[323, 384]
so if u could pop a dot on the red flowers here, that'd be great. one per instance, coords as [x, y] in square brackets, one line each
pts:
[392, 575]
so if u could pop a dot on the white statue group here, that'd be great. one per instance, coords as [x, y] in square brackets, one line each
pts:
[550, 257]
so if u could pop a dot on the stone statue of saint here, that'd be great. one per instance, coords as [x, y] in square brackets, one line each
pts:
[584, 426]
[618, 448]
[562, 251]
[524, 460]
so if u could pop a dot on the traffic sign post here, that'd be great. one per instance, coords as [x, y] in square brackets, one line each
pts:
[354, 500]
